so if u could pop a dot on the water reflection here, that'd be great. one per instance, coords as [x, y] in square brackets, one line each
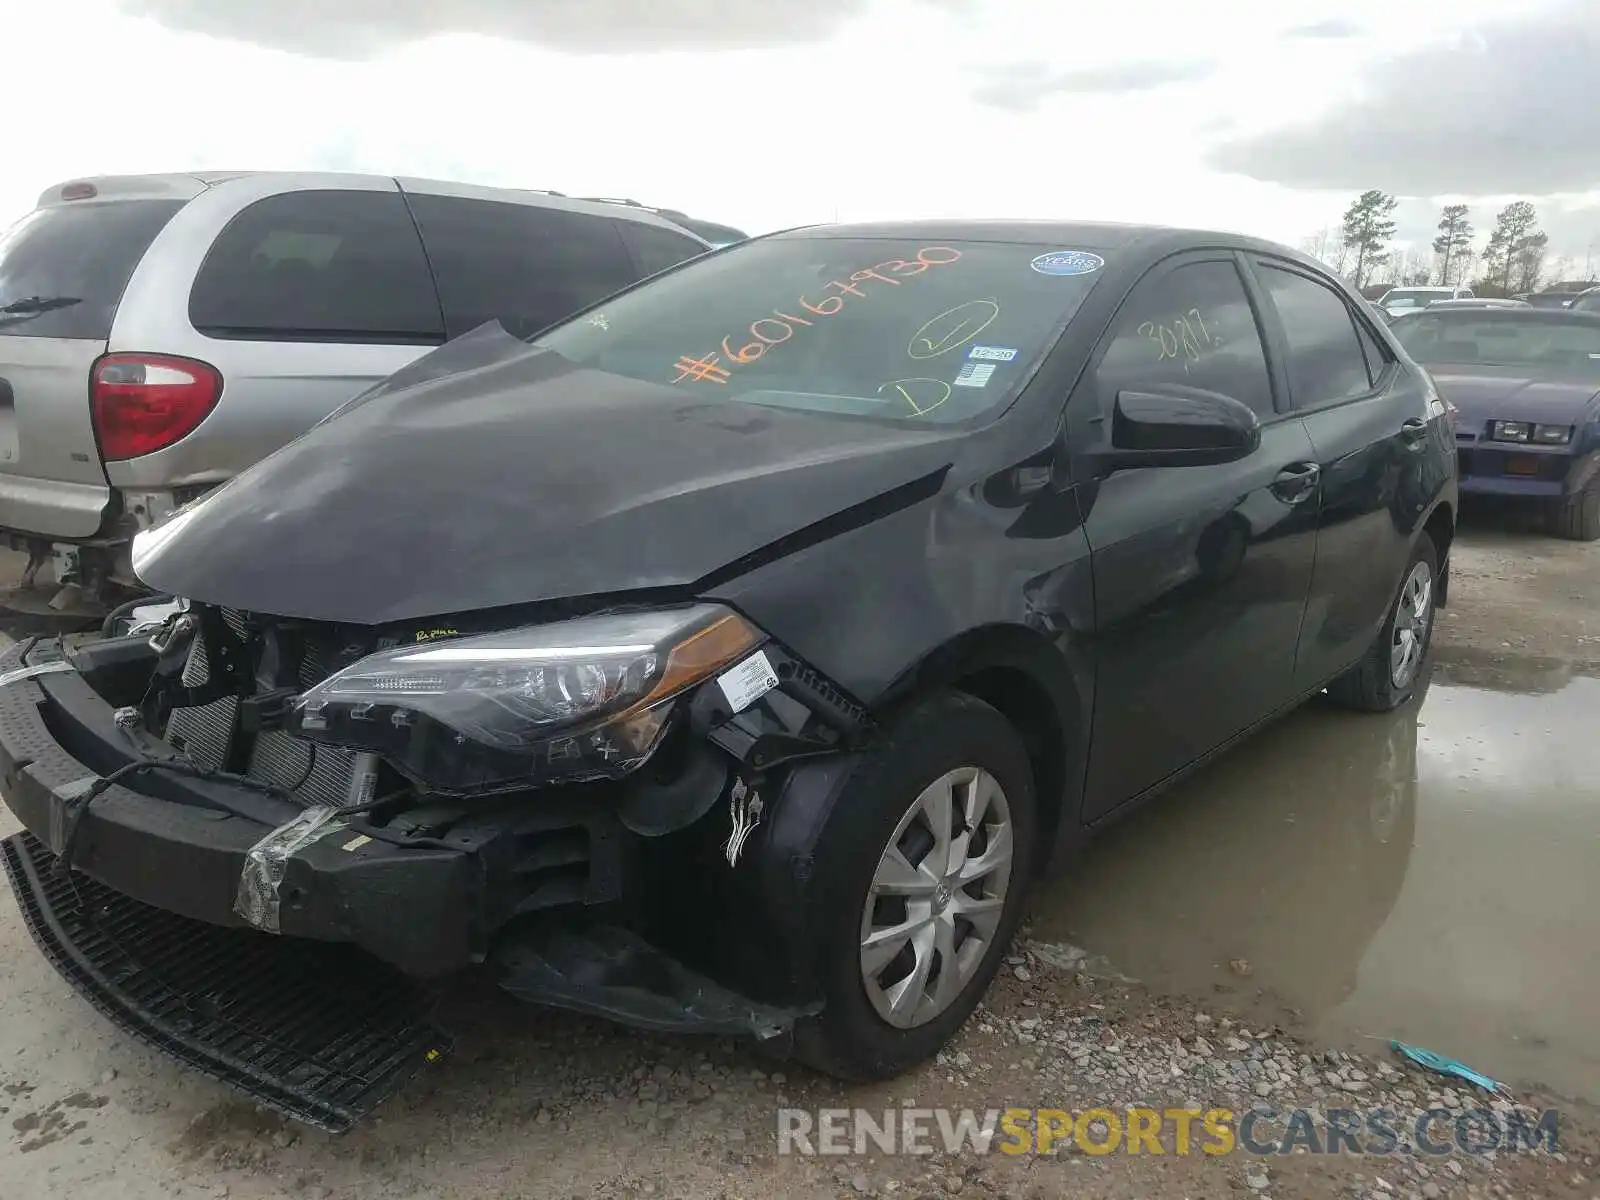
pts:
[1429, 874]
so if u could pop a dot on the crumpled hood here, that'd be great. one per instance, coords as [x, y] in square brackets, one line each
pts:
[1485, 394]
[490, 473]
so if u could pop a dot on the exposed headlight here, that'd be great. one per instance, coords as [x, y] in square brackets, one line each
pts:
[1524, 431]
[1510, 431]
[575, 700]
[1552, 435]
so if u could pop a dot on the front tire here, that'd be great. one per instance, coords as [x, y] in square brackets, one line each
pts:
[1388, 672]
[1577, 517]
[921, 873]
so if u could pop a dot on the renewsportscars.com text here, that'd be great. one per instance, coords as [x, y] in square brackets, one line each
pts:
[1176, 1131]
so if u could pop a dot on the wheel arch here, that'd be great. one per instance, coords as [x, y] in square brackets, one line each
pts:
[1441, 528]
[1043, 693]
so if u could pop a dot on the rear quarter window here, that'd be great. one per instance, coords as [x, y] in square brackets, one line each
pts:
[655, 249]
[75, 260]
[524, 265]
[319, 266]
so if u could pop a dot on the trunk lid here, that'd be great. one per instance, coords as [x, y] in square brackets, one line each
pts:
[63, 269]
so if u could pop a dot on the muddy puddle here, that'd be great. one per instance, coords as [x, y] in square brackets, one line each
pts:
[1432, 875]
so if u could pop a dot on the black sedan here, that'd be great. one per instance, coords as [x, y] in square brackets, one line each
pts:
[1527, 384]
[736, 654]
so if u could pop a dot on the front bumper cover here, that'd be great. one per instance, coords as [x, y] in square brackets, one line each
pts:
[174, 849]
[1561, 471]
[429, 910]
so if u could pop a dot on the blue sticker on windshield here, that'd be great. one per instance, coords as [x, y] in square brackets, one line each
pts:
[993, 353]
[1067, 262]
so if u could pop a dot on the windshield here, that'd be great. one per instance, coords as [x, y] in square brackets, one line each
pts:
[63, 268]
[1504, 339]
[904, 330]
[1414, 297]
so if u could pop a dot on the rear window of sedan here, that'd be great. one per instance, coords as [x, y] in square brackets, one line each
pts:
[1501, 338]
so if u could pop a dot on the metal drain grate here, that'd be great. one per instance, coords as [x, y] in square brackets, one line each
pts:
[316, 1031]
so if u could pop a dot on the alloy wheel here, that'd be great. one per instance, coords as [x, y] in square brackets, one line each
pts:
[1412, 617]
[937, 897]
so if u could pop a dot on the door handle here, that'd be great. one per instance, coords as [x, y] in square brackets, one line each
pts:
[1296, 482]
[1413, 432]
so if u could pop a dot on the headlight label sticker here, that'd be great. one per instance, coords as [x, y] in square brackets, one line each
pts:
[747, 682]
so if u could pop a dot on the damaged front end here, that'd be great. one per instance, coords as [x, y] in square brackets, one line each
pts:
[581, 804]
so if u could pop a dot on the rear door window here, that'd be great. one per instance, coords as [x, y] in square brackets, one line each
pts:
[63, 269]
[525, 265]
[1326, 362]
[1378, 358]
[319, 266]
[655, 249]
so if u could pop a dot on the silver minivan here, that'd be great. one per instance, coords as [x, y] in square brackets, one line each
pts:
[160, 333]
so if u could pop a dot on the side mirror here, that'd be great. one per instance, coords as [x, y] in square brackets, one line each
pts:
[1183, 427]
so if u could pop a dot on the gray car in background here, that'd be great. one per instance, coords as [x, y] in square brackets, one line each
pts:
[161, 333]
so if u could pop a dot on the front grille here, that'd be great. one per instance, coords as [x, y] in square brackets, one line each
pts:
[317, 1031]
[312, 774]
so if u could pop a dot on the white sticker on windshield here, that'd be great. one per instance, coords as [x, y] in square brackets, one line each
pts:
[974, 374]
[746, 683]
[997, 354]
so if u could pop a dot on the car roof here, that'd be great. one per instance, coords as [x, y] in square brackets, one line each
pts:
[1068, 235]
[186, 185]
[1548, 316]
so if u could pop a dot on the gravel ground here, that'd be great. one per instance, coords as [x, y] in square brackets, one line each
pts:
[537, 1105]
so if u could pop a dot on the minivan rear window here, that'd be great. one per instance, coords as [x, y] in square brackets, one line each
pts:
[63, 268]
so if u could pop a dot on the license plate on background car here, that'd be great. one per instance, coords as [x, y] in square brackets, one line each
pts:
[1522, 464]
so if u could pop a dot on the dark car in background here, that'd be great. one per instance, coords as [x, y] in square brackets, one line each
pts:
[1527, 384]
[735, 654]
[1587, 301]
[1558, 295]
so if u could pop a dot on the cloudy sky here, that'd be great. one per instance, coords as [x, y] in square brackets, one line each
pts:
[767, 113]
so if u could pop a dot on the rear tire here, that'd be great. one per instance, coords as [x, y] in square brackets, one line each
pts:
[953, 741]
[1386, 675]
[1577, 517]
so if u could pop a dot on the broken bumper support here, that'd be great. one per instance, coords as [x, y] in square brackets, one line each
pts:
[178, 858]
[313, 1032]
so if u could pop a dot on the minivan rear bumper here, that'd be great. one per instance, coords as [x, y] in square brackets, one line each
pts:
[52, 508]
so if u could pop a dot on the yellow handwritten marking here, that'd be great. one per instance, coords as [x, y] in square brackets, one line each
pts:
[1180, 335]
[972, 318]
[903, 388]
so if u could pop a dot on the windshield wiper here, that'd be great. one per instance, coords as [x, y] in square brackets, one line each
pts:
[30, 305]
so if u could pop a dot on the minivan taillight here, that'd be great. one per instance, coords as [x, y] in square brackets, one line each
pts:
[146, 402]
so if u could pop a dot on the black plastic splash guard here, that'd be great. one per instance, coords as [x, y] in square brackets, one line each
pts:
[319, 1032]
